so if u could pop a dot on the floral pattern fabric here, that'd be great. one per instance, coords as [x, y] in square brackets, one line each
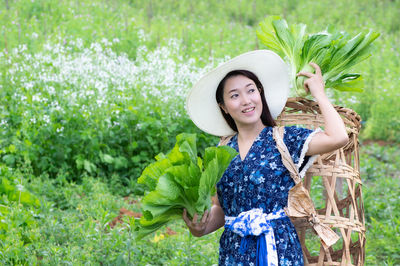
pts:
[257, 223]
[261, 181]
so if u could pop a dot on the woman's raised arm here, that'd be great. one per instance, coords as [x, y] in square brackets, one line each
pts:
[334, 135]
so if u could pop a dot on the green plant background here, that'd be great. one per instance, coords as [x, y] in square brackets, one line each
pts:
[92, 90]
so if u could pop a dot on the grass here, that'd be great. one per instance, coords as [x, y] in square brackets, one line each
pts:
[381, 173]
[71, 226]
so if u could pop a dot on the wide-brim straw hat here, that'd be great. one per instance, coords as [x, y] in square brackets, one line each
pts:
[271, 70]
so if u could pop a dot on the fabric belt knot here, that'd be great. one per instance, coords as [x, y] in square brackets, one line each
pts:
[256, 223]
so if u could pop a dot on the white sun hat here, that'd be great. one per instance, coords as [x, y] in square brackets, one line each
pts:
[271, 70]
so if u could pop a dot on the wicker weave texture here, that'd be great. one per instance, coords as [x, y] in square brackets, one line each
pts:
[335, 185]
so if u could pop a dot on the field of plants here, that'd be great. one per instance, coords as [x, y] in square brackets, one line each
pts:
[92, 90]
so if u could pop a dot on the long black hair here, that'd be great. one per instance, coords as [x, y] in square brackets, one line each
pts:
[266, 117]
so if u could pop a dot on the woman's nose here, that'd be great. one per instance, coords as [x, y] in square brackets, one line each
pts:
[245, 99]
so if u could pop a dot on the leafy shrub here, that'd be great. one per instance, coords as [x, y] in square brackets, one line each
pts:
[76, 110]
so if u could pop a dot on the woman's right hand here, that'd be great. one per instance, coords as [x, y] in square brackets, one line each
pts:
[197, 228]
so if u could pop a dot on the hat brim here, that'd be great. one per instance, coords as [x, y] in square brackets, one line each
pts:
[270, 69]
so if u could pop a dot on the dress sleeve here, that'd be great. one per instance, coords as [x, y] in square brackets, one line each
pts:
[297, 140]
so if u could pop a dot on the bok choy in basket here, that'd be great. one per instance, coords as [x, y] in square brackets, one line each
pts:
[334, 51]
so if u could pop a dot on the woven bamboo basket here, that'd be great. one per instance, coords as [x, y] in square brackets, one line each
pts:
[335, 185]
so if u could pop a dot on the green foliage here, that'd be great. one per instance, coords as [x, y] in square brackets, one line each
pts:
[79, 233]
[380, 168]
[71, 224]
[181, 180]
[334, 51]
[51, 124]
[16, 193]
[97, 88]
[19, 211]
[134, 74]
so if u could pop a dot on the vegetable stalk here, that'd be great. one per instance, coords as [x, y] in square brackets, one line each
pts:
[335, 52]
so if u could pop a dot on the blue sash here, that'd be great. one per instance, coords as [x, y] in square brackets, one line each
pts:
[257, 223]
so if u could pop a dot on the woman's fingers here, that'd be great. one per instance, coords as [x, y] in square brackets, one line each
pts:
[208, 217]
[205, 217]
[309, 74]
[194, 223]
[195, 218]
[197, 228]
[306, 74]
[185, 218]
[316, 67]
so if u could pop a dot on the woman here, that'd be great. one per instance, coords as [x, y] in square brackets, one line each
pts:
[242, 97]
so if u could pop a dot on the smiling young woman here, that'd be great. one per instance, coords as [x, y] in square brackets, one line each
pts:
[242, 97]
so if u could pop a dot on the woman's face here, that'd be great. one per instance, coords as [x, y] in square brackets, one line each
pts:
[242, 101]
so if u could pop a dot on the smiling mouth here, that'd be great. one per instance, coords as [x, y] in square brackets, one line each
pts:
[248, 110]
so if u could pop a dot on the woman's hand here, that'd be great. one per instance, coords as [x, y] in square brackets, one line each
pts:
[212, 220]
[197, 228]
[334, 135]
[315, 83]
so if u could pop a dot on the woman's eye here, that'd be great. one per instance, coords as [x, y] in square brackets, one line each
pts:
[234, 96]
[252, 90]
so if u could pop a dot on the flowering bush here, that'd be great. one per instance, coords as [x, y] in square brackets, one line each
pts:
[78, 109]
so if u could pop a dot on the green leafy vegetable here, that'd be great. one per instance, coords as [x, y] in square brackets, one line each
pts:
[181, 180]
[335, 52]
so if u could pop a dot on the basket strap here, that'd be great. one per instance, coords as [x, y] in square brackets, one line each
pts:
[299, 201]
[224, 140]
[285, 154]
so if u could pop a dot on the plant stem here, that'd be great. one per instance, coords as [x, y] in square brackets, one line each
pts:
[129, 245]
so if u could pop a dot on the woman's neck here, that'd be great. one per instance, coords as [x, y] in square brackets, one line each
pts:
[249, 132]
[247, 136]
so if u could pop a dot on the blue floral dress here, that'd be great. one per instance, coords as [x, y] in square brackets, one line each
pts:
[262, 181]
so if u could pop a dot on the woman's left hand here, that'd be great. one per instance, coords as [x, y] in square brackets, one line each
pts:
[315, 83]
[334, 135]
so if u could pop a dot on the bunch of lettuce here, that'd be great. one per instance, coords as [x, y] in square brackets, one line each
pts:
[335, 52]
[181, 180]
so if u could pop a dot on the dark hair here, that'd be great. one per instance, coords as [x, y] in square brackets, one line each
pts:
[266, 117]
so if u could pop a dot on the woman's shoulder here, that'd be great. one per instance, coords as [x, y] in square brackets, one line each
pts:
[226, 140]
[295, 134]
[296, 130]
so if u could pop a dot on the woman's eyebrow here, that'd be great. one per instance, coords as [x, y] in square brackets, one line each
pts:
[250, 84]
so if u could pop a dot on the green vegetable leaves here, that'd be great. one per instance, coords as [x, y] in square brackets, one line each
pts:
[335, 52]
[181, 180]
